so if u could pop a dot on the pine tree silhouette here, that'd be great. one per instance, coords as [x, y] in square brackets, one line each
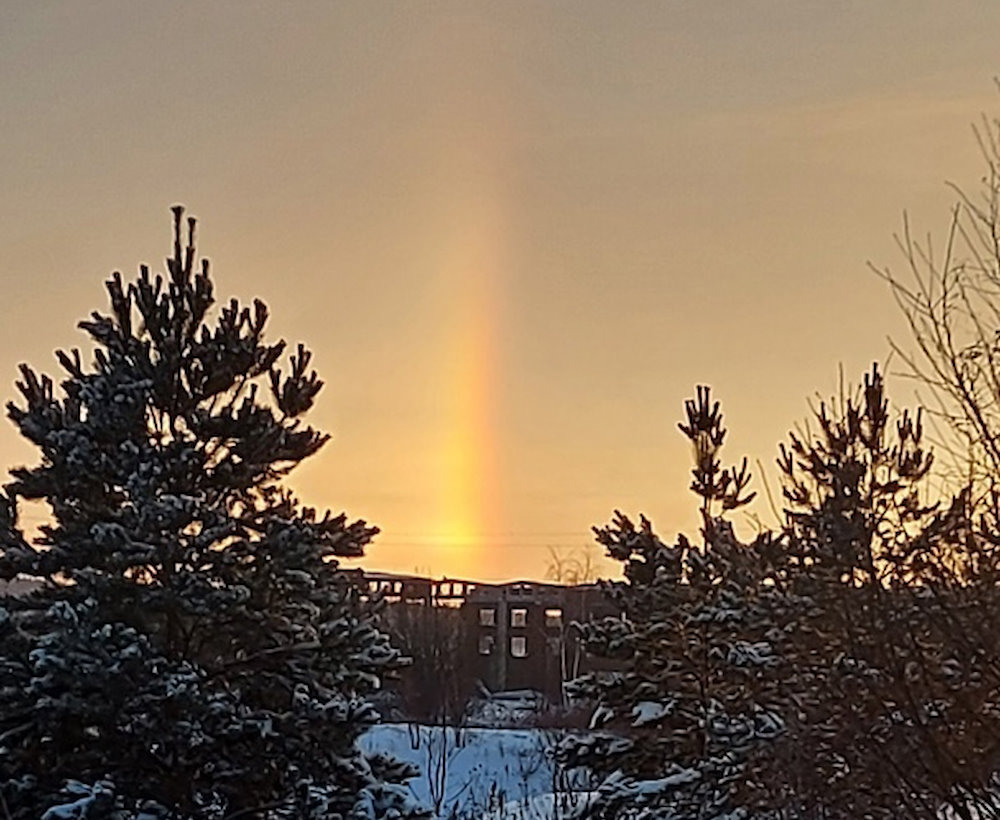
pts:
[194, 651]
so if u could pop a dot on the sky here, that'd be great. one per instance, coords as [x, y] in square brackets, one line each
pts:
[516, 235]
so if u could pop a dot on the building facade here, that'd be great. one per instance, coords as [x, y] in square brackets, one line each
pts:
[514, 636]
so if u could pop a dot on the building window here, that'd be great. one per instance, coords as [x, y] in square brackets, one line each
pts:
[487, 617]
[519, 617]
[553, 618]
[519, 646]
[486, 644]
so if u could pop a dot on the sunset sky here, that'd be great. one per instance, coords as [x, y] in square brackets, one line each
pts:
[515, 234]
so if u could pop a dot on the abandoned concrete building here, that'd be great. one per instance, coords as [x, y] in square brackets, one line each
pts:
[517, 635]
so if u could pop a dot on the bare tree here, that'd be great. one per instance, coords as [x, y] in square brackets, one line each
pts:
[949, 294]
[572, 566]
[435, 687]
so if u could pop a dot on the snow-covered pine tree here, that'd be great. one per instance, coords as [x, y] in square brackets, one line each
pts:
[194, 650]
[679, 731]
[895, 642]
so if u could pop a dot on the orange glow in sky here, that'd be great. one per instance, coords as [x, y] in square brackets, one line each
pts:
[515, 235]
[468, 498]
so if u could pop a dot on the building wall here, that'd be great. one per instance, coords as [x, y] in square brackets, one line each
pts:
[521, 635]
[514, 636]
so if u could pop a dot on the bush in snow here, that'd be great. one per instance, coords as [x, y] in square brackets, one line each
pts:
[195, 651]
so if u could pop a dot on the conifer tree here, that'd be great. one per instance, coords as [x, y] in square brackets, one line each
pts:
[679, 729]
[843, 666]
[194, 649]
[895, 680]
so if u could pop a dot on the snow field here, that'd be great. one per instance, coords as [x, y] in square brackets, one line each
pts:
[483, 774]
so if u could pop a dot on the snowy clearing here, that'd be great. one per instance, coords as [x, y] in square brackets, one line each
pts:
[493, 774]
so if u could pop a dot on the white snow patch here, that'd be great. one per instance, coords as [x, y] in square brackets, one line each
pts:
[487, 773]
[649, 711]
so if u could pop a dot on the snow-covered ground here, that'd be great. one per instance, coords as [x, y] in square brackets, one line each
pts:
[486, 774]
